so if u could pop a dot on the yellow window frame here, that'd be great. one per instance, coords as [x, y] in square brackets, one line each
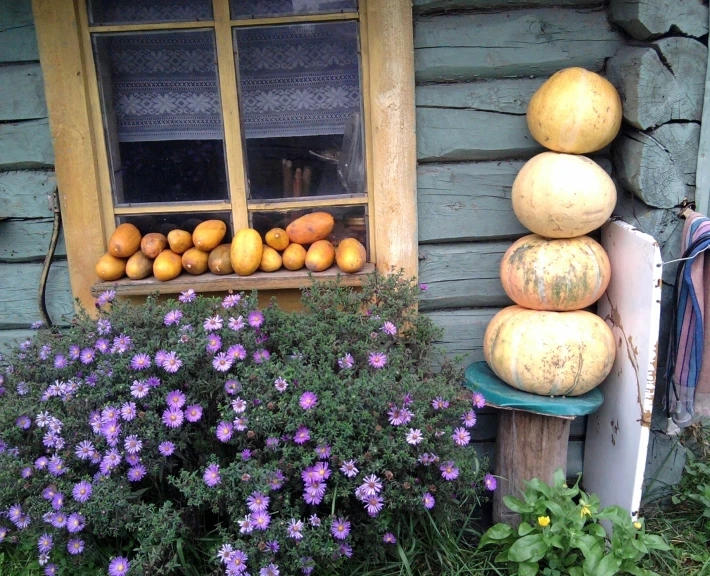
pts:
[81, 163]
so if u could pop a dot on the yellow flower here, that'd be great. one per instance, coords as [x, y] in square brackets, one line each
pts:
[637, 525]
[585, 511]
[543, 520]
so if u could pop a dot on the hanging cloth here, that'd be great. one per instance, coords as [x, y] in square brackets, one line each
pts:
[688, 370]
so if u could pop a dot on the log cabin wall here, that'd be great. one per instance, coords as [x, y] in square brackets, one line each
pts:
[26, 179]
[477, 64]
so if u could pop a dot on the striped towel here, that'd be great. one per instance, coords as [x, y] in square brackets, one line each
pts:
[689, 360]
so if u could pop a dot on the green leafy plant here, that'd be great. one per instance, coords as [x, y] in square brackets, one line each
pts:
[560, 534]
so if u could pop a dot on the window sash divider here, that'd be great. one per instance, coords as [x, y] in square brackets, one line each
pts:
[171, 208]
[307, 202]
[295, 19]
[147, 26]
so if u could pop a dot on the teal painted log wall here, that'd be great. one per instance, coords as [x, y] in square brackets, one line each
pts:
[26, 179]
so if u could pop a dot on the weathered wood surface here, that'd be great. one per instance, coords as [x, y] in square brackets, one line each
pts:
[702, 172]
[462, 274]
[23, 193]
[19, 286]
[423, 6]
[505, 95]
[470, 201]
[463, 331]
[28, 240]
[467, 202]
[535, 42]
[25, 145]
[644, 19]
[22, 92]
[465, 135]
[661, 82]
[9, 339]
[528, 446]
[17, 34]
[659, 166]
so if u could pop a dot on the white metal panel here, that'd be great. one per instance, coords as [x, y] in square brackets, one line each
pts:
[617, 435]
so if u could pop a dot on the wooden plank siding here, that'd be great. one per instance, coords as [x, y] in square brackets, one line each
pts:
[22, 92]
[17, 33]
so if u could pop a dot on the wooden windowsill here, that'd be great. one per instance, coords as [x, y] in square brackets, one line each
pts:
[208, 282]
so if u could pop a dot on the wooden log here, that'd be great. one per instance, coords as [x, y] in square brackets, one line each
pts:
[460, 275]
[659, 166]
[22, 92]
[528, 446]
[535, 42]
[23, 194]
[463, 331]
[17, 33]
[424, 6]
[505, 95]
[26, 145]
[18, 294]
[465, 135]
[660, 83]
[28, 240]
[575, 456]
[644, 19]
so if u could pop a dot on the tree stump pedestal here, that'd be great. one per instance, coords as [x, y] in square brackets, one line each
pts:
[533, 432]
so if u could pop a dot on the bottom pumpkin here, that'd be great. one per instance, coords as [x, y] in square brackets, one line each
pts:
[549, 353]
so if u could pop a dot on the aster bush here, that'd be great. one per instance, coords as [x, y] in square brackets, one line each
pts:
[205, 435]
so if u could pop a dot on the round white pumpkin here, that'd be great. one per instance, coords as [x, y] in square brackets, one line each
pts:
[549, 353]
[562, 195]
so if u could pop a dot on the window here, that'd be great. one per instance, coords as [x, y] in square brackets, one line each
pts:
[254, 112]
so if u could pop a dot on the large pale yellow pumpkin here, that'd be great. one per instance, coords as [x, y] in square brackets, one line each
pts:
[561, 274]
[549, 353]
[575, 111]
[562, 195]
[245, 253]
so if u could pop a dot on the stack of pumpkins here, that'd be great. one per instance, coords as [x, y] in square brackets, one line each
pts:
[547, 344]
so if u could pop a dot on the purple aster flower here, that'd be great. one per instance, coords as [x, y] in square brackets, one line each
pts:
[238, 562]
[236, 324]
[273, 546]
[372, 485]
[26, 472]
[121, 344]
[236, 352]
[132, 444]
[139, 389]
[395, 416]
[133, 459]
[153, 382]
[260, 520]
[48, 493]
[45, 544]
[136, 473]
[276, 480]
[239, 405]
[321, 470]
[166, 448]
[340, 528]
[346, 362]
[389, 538]
[214, 343]
[231, 387]
[428, 501]
[302, 435]
[230, 301]
[280, 384]
[58, 520]
[23, 522]
[175, 399]
[87, 356]
[272, 443]
[36, 325]
[308, 400]
[171, 363]
[307, 565]
[212, 323]
[211, 476]
[74, 352]
[140, 361]
[478, 400]
[187, 296]
[109, 414]
[172, 317]
[323, 452]
[262, 355]
[56, 466]
[82, 491]
[490, 482]
[225, 553]
[245, 526]
[45, 351]
[41, 463]
[14, 513]
[424, 287]
[224, 431]
[345, 550]
[469, 419]
[461, 437]
[110, 460]
[257, 502]
[414, 436]
[295, 529]
[58, 501]
[193, 413]
[377, 359]
[160, 357]
[246, 454]
[119, 566]
[106, 297]
[23, 422]
[348, 468]
[75, 546]
[102, 345]
[240, 424]
[173, 417]
[60, 361]
[256, 319]
[439, 403]
[75, 523]
[221, 362]
[50, 570]
[270, 570]
[128, 411]
[389, 328]
[103, 326]
[373, 505]
[449, 471]
[3, 533]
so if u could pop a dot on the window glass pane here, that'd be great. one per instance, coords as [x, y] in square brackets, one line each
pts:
[164, 223]
[350, 222]
[162, 116]
[103, 12]
[262, 8]
[301, 109]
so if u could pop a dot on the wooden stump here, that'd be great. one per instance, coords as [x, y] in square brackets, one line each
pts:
[528, 446]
